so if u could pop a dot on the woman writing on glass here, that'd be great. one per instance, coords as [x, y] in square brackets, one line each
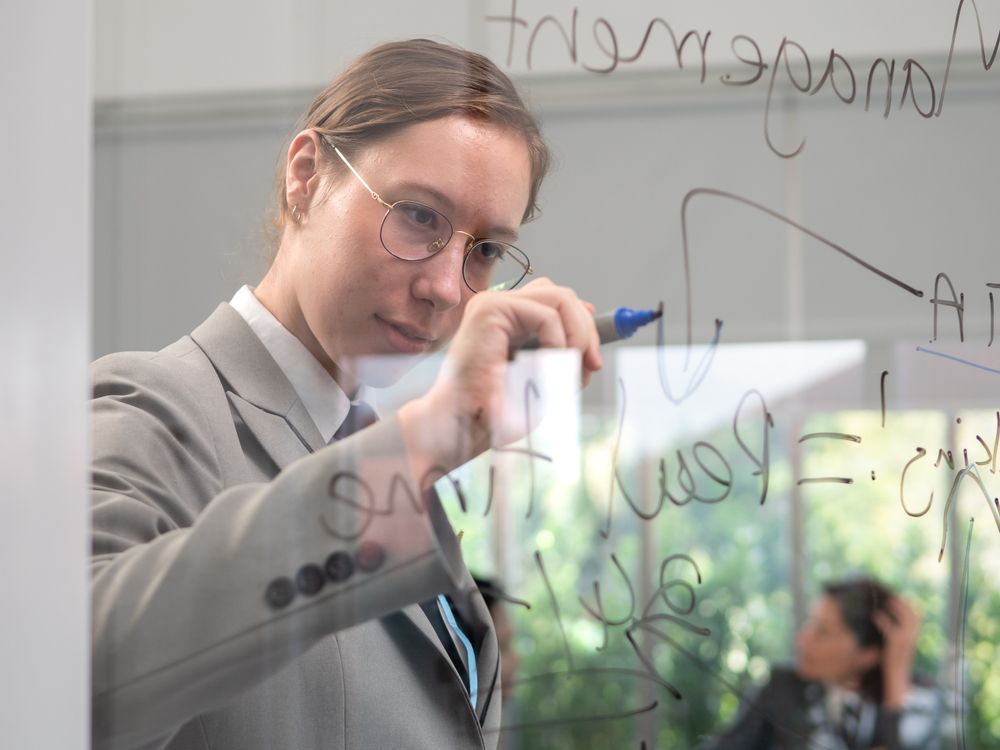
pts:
[270, 569]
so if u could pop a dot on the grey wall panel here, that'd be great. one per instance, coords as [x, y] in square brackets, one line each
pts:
[182, 219]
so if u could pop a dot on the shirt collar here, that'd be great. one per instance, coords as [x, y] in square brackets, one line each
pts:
[323, 398]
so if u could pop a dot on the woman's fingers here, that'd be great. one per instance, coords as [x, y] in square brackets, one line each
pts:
[470, 389]
[577, 319]
[899, 624]
[531, 318]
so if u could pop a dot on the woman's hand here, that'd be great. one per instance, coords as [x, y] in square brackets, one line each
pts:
[900, 626]
[464, 413]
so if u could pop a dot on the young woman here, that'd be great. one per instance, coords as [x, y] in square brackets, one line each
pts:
[270, 570]
[851, 687]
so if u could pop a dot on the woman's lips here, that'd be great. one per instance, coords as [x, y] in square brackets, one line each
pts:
[406, 339]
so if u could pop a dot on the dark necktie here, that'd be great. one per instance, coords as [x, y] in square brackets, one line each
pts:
[359, 416]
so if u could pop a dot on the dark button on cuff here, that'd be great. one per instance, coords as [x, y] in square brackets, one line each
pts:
[369, 556]
[339, 567]
[280, 593]
[309, 580]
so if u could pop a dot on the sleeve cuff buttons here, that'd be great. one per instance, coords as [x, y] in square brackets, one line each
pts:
[310, 578]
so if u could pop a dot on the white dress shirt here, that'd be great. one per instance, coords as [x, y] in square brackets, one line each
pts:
[322, 397]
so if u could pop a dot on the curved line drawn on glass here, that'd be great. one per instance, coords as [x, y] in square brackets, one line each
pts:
[721, 475]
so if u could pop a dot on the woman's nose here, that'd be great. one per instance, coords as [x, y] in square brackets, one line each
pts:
[439, 278]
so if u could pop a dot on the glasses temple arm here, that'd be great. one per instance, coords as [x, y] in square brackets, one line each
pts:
[350, 166]
[526, 266]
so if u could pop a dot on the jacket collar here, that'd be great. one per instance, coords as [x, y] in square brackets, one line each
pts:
[251, 374]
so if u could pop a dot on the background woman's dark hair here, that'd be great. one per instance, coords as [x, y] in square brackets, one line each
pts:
[404, 83]
[859, 599]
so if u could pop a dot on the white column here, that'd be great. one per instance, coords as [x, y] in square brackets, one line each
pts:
[45, 158]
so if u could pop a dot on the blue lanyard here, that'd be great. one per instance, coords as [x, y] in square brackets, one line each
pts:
[470, 653]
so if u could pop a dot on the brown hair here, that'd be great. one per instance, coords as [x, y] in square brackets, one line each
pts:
[402, 83]
[859, 599]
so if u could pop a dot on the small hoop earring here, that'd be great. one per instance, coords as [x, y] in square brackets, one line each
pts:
[296, 214]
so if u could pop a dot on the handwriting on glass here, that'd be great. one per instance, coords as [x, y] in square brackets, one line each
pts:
[791, 62]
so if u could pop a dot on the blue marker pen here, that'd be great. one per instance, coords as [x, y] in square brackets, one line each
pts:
[623, 322]
[611, 326]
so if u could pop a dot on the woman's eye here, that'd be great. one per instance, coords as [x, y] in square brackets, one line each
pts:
[425, 217]
[491, 251]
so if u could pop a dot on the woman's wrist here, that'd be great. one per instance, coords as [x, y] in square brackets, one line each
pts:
[895, 686]
[438, 437]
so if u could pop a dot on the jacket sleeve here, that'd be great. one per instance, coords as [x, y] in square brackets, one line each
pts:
[201, 590]
[918, 725]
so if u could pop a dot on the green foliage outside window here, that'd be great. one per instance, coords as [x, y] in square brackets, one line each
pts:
[594, 696]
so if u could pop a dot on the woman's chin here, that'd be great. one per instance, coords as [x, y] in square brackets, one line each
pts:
[384, 370]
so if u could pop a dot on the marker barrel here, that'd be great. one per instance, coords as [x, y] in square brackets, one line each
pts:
[611, 326]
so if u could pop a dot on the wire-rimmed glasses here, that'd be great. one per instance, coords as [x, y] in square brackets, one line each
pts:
[415, 231]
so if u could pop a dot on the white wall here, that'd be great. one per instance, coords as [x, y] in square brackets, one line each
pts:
[45, 337]
[160, 47]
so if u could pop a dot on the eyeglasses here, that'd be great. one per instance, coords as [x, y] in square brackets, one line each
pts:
[414, 231]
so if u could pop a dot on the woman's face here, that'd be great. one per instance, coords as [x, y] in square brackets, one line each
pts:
[827, 651]
[353, 298]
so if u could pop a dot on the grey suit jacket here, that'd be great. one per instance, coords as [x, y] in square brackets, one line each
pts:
[217, 514]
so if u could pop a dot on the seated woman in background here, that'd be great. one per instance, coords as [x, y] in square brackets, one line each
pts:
[851, 687]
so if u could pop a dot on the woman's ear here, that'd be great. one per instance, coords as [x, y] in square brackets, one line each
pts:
[302, 177]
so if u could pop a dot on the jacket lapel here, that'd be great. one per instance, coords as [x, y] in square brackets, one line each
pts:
[473, 609]
[418, 619]
[414, 613]
[487, 657]
[257, 388]
[477, 616]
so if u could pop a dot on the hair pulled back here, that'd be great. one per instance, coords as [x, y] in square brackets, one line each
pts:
[859, 599]
[403, 83]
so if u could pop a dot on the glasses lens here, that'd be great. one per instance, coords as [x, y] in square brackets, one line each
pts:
[413, 231]
[494, 266]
